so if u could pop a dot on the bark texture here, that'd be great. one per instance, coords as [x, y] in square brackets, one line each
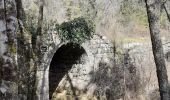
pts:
[8, 50]
[37, 49]
[26, 72]
[153, 11]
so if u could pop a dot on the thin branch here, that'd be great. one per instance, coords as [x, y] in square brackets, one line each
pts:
[168, 15]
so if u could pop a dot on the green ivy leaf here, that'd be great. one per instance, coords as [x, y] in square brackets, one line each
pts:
[76, 31]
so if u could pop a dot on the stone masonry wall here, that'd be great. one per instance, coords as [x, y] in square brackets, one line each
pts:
[98, 49]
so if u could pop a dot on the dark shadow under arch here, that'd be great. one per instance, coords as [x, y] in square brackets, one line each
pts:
[63, 60]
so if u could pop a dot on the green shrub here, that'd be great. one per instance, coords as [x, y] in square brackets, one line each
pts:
[76, 31]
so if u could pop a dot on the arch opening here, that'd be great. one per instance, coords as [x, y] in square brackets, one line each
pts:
[63, 60]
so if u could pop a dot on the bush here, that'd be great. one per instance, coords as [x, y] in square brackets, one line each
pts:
[76, 31]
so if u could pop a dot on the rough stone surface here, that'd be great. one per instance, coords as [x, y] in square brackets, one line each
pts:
[80, 74]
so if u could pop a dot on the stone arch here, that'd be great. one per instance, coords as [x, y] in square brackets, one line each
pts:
[96, 49]
[63, 60]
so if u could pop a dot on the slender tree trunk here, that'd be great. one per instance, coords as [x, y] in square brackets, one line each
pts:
[37, 50]
[8, 50]
[22, 88]
[26, 80]
[153, 8]
[36, 43]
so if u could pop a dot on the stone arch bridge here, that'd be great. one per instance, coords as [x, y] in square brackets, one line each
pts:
[68, 67]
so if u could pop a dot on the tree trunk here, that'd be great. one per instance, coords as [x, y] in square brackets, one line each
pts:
[8, 50]
[37, 51]
[153, 8]
[26, 80]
